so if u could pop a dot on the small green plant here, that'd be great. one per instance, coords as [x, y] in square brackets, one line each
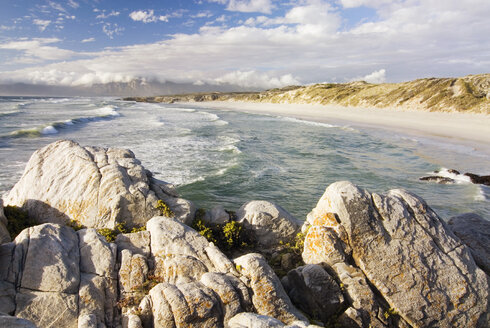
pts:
[232, 234]
[199, 225]
[164, 209]
[17, 220]
[75, 225]
[390, 312]
[121, 227]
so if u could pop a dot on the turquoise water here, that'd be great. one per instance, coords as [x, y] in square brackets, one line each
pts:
[226, 157]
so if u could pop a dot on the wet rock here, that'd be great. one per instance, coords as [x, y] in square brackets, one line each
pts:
[268, 295]
[474, 231]
[477, 179]
[270, 223]
[95, 186]
[438, 179]
[314, 292]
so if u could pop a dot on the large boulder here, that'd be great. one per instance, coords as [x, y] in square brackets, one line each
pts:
[97, 187]
[474, 231]
[269, 297]
[269, 222]
[4, 234]
[424, 272]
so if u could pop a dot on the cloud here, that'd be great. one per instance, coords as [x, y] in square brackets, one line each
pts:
[375, 77]
[37, 49]
[88, 40]
[308, 43]
[73, 4]
[42, 24]
[250, 6]
[147, 16]
[103, 15]
[112, 29]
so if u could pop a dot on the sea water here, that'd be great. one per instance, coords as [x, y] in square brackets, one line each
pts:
[227, 158]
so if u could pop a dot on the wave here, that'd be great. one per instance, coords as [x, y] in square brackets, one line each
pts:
[451, 174]
[296, 120]
[103, 113]
[9, 113]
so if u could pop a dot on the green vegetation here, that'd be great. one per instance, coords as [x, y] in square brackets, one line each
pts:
[111, 234]
[164, 209]
[17, 220]
[390, 312]
[228, 237]
[75, 225]
[139, 292]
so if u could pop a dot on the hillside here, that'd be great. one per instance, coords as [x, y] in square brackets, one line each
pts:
[466, 94]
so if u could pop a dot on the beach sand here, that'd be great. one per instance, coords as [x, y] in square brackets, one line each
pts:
[468, 129]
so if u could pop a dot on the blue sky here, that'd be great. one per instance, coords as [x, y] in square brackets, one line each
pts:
[253, 43]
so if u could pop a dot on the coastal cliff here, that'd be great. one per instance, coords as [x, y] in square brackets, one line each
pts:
[465, 94]
[110, 246]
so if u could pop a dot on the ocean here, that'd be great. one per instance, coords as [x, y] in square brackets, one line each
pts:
[228, 157]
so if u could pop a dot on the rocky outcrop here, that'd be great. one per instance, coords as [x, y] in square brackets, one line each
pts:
[94, 186]
[406, 252]
[269, 222]
[4, 234]
[474, 231]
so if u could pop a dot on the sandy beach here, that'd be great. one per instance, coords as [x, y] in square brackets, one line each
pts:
[467, 129]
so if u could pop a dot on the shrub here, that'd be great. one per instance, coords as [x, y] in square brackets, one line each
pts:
[111, 234]
[164, 209]
[17, 220]
[75, 225]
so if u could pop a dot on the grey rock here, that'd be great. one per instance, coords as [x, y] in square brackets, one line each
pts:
[217, 215]
[314, 292]
[269, 222]
[474, 231]
[253, 320]
[47, 309]
[132, 321]
[98, 296]
[398, 242]
[87, 321]
[133, 272]
[179, 268]
[51, 261]
[7, 297]
[268, 295]
[14, 322]
[233, 294]
[4, 234]
[95, 186]
[96, 254]
[136, 242]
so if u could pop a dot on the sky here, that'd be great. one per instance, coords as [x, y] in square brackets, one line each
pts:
[249, 43]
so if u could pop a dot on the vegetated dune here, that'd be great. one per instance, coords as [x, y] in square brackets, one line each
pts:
[466, 94]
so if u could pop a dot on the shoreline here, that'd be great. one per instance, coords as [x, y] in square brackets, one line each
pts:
[466, 129]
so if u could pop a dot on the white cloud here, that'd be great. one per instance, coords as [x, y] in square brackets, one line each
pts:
[103, 15]
[42, 24]
[73, 4]
[408, 39]
[249, 6]
[147, 16]
[375, 77]
[365, 3]
[88, 40]
[37, 49]
[112, 29]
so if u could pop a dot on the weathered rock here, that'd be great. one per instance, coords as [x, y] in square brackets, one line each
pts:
[96, 254]
[7, 297]
[136, 242]
[51, 260]
[269, 222]
[438, 179]
[474, 231]
[14, 322]
[269, 297]
[47, 309]
[179, 268]
[87, 321]
[98, 296]
[233, 294]
[133, 272]
[170, 238]
[4, 234]
[254, 320]
[398, 242]
[132, 321]
[185, 305]
[314, 291]
[95, 186]
[479, 179]
[217, 215]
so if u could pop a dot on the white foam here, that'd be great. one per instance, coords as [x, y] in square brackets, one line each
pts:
[295, 120]
[458, 178]
[483, 193]
[49, 130]
[108, 111]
